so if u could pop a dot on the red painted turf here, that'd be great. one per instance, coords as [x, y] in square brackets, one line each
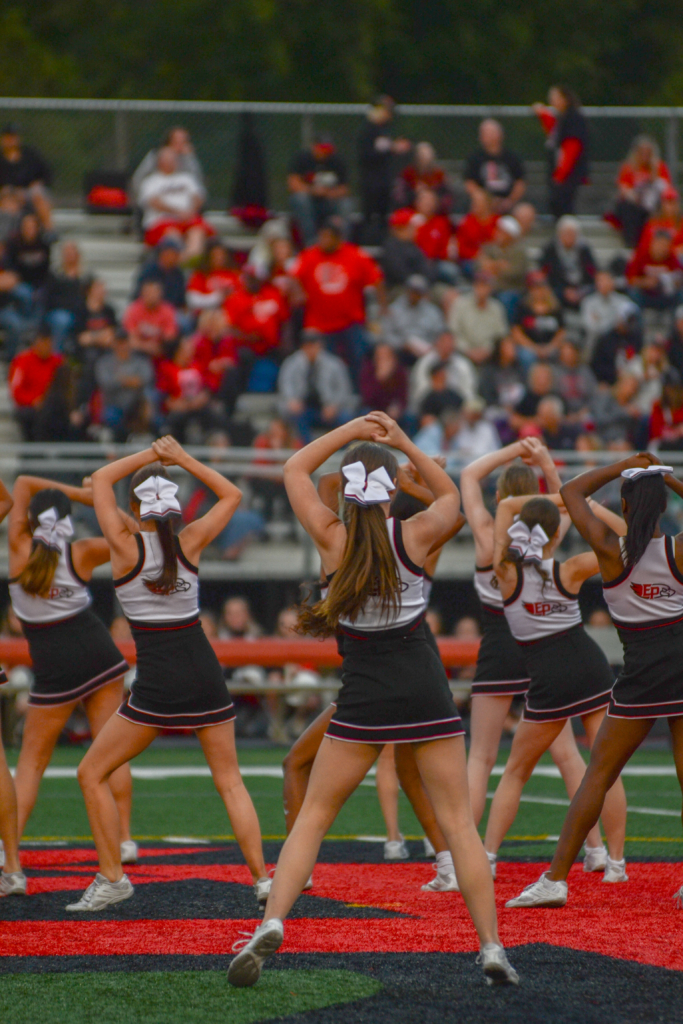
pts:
[633, 921]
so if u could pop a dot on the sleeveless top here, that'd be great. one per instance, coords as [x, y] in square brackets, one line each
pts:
[412, 599]
[139, 604]
[650, 593]
[536, 609]
[68, 596]
[427, 584]
[488, 589]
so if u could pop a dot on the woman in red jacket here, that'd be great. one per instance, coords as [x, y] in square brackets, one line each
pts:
[567, 143]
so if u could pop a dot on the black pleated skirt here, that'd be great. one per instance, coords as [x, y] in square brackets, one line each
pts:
[501, 667]
[650, 684]
[569, 676]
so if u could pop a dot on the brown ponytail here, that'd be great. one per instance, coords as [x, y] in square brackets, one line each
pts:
[368, 567]
[166, 581]
[37, 575]
[536, 512]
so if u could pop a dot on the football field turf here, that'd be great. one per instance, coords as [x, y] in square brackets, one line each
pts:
[365, 945]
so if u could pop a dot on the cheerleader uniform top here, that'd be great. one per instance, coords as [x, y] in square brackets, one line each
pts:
[488, 589]
[650, 593]
[536, 610]
[140, 605]
[68, 595]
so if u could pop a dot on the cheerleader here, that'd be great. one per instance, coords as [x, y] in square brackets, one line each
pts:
[12, 878]
[642, 577]
[501, 672]
[179, 681]
[74, 658]
[568, 673]
[394, 687]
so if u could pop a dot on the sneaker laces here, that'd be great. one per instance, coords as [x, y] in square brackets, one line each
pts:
[241, 943]
[89, 893]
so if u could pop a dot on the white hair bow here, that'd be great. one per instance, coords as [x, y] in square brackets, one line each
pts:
[365, 488]
[157, 498]
[638, 471]
[52, 530]
[528, 543]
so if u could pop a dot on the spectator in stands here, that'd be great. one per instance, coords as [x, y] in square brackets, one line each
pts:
[237, 621]
[216, 278]
[19, 315]
[666, 421]
[617, 419]
[151, 322]
[25, 169]
[217, 356]
[440, 398]
[376, 149]
[478, 320]
[29, 377]
[501, 378]
[667, 218]
[401, 257]
[318, 187]
[465, 433]
[575, 382]
[10, 211]
[164, 267]
[424, 172]
[171, 201]
[28, 252]
[57, 418]
[278, 436]
[569, 264]
[525, 215]
[643, 179]
[538, 326]
[434, 235]
[494, 169]
[314, 387]
[505, 259]
[413, 323]
[676, 341]
[178, 140]
[566, 131]
[648, 367]
[654, 274]
[123, 376]
[475, 230]
[96, 323]
[384, 382]
[65, 293]
[186, 400]
[607, 318]
[540, 383]
[460, 374]
[334, 276]
[257, 313]
[557, 433]
[27, 258]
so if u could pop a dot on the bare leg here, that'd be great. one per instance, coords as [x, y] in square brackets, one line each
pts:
[616, 741]
[41, 731]
[411, 784]
[118, 742]
[614, 805]
[443, 767]
[486, 728]
[8, 816]
[572, 766]
[676, 727]
[218, 744]
[386, 781]
[99, 707]
[298, 763]
[195, 239]
[338, 770]
[531, 740]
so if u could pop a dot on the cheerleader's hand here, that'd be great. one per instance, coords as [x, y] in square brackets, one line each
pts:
[168, 451]
[386, 431]
[642, 460]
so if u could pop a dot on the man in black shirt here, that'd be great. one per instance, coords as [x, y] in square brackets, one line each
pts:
[318, 186]
[440, 398]
[376, 149]
[165, 268]
[494, 169]
[23, 168]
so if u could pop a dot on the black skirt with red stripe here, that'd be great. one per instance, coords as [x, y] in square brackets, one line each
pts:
[179, 682]
[650, 685]
[569, 676]
[394, 688]
[501, 669]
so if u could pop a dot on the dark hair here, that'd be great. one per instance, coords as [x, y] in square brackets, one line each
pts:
[536, 512]
[405, 506]
[645, 498]
[517, 480]
[165, 582]
[37, 575]
[570, 95]
[368, 568]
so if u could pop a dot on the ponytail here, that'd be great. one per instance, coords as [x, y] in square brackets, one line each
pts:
[166, 581]
[37, 575]
[535, 512]
[645, 498]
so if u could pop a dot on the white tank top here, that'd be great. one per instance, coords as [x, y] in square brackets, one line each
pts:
[487, 587]
[536, 609]
[427, 584]
[651, 592]
[412, 600]
[139, 604]
[69, 594]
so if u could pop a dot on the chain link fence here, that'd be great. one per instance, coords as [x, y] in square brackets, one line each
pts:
[78, 136]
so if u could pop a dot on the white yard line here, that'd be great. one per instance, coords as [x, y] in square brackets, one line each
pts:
[565, 803]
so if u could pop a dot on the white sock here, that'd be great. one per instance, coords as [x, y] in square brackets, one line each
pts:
[444, 863]
[493, 857]
[616, 863]
[600, 847]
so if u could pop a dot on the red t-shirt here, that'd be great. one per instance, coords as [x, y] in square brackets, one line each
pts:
[155, 325]
[206, 283]
[206, 351]
[472, 233]
[334, 284]
[662, 420]
[259, 314]
[433, 236]
[634, 177]
[179, 381]
[30, 377]
[642, 264]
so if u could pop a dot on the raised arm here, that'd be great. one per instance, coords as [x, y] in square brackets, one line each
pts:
[506, 572]
[6, 501]
[18, 533]
[478, 516]
[116, 527]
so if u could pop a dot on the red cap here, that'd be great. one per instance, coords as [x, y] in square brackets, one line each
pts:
[669, 195]
[401, 218]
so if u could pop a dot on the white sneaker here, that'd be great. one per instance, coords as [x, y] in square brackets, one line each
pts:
[309, 884]
[497, 969]
[543, 893]
[245, 969]
[261, 891]
[102, 893]
[129, 851]
[678, 899]
[594, 858]
[2, 854]
[442, 882]
[429, 849]
[13, 883]
[396, 849]
[493, 857]
[615, 871]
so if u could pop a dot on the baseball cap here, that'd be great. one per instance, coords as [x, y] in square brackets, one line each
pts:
[401, 218]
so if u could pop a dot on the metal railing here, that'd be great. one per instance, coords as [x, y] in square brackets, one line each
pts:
[80, 135]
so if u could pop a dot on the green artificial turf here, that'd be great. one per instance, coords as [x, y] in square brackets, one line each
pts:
[182, 997]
